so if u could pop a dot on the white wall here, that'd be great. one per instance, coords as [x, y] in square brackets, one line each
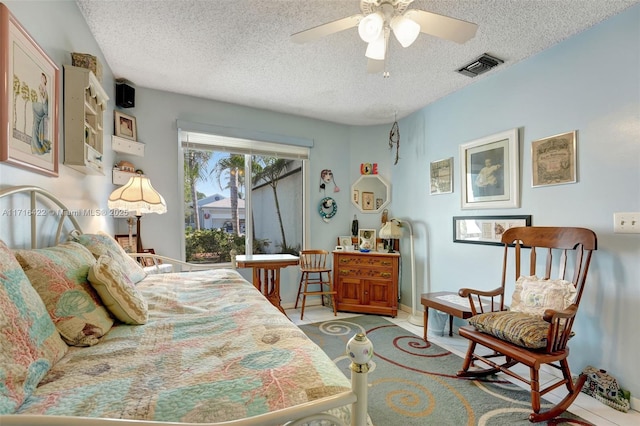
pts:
[589, 83]
[59, 28]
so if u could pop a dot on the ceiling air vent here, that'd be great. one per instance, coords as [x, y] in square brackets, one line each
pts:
[481, 65]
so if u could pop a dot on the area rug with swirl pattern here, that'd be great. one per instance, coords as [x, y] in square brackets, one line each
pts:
[414, 383]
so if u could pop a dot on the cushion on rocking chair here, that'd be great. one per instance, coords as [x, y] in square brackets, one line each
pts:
[533, 295]
[528, 331]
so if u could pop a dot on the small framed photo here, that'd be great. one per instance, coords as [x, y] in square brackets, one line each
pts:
[367, 239]
[441, 176]
[380, 247]
[368, 202]
[29, 99]
[147, 261]
[554, 160]
[356, 196]
[490, 173]
[485, 229]
[345, 241]
[129, 245]
[125, 126]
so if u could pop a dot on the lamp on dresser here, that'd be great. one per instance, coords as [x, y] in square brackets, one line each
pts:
[138, 196]
[390, 231]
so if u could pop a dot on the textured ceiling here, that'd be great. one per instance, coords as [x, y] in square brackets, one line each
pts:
[240, 51]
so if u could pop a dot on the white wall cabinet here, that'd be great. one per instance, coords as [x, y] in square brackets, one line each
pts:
[84, 103]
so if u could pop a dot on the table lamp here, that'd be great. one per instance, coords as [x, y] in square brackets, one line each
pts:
[140, 197]
[391, 230]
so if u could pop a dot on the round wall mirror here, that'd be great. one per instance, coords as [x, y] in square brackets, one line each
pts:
[370, 193]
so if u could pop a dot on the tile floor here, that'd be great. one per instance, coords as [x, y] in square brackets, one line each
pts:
[584, 406]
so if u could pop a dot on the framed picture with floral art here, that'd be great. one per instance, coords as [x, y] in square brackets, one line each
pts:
[29, 94]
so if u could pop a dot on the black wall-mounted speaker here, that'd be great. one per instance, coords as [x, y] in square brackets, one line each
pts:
[125, 96]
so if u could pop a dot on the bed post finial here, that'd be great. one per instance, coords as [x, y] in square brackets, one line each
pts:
[360, 350]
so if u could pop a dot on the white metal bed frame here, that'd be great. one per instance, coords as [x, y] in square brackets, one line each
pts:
[307, 413]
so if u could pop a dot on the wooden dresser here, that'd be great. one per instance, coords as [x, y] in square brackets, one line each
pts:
[366, 282]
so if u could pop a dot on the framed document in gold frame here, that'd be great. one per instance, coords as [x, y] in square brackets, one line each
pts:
[554, 160]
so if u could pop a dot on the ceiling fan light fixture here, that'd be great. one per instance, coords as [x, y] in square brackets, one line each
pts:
[377, 48]
[370, 27]
[405, 30]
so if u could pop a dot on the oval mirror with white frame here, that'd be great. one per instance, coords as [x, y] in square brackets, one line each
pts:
[370, 193]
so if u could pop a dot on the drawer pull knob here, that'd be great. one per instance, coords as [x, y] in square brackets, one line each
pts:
[385, 275]
[386, 263]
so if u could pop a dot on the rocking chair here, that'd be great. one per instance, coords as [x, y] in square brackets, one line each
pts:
[536, 329]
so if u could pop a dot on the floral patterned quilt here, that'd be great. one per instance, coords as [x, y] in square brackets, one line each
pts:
[214, 349]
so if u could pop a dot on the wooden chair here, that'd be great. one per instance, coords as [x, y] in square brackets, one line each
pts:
[510, 335]
[313, 270]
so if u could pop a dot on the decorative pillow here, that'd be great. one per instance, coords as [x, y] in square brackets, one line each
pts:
[59, 275]
[534, 296]
[522, 329]
[117, 291]
[29, 342]
[100, 244]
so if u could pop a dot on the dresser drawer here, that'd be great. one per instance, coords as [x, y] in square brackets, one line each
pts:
[365, 261]
[384, 273]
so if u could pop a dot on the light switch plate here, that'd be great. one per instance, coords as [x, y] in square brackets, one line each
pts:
[626, 223]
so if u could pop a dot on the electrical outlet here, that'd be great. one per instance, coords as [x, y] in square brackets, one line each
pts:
[626, 223]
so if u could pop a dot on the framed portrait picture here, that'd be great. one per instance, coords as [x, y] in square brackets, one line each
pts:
[367, 239]
[441, 176]
[129, 245]
[125, 125]
[489, 171]
[30, 97]
[554, 160]
[368, 202]
[345, 241]
[485, 229]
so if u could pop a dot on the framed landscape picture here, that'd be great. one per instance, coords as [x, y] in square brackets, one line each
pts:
[490, 173]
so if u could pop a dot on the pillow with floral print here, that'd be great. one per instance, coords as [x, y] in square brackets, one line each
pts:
[59, 275]
[29, 342]
[103, 244]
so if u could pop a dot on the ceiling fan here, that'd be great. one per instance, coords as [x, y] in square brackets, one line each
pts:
[381, 17]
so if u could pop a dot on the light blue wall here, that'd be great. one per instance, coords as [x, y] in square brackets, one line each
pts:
[589, 83]
[59, 28]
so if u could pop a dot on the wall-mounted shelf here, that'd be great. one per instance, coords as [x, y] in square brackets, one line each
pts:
[84, 103]
[121, 177]
[127, 146]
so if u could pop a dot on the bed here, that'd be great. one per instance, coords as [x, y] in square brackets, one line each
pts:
[208, 349]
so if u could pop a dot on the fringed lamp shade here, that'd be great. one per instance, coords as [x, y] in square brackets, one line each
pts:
[140, 197]
[391, 231]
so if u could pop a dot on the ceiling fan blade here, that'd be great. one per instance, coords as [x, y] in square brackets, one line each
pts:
[443, 26]
[323, 30]
[375, 66]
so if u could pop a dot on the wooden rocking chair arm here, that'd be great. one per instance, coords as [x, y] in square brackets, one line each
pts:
[551, 314]
[466, 292]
